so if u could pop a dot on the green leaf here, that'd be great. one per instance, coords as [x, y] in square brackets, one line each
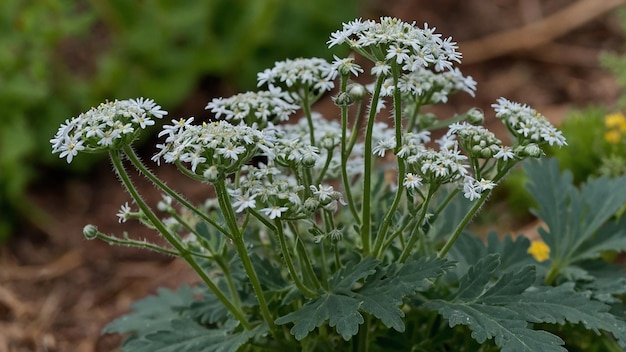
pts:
[469, 249]
[383, 294]
[341, 312]
[473, 283]
[380, 295]
[153, 312]
[579, 224]
[184, 335]
[504, 310]
[560, 304]
[349, 275]
[487, 322]
[208, 310]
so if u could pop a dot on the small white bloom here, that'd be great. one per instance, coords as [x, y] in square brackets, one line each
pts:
[323, 193]
[505, 153]
[124, 213]
[243, 202]
[274, 212]
[469, 189]
[412, 181]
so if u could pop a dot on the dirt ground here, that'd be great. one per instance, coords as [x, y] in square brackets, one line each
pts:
[57, 290]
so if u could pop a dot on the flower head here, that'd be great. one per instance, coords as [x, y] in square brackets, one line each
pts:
[312, 74]
[212, 150]
[527, 125]
[391, 40]
[109, 126]
[254, 107]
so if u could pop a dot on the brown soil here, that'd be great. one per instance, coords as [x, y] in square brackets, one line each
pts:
[58, 290]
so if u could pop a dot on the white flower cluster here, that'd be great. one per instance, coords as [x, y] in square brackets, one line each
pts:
[109, 126]
[267, 188]
[526, 124]
[327, 140]
[437, 85]
[300, 76]
[213, 149]
[254, 107]
[478, 141]
[392, 39]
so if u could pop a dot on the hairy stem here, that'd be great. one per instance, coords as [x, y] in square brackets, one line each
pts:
[242, 251]
[173, 240]
[132, 156]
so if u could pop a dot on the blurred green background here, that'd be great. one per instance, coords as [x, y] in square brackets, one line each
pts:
[60, 57]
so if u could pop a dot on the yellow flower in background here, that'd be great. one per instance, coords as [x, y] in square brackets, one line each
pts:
[539, 250]
[616, 127]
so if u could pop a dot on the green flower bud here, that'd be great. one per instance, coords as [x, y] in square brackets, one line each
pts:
[90, 232]
[357, 91]
[533, 150]
[475, 116]
[343, 99]
[212, 173]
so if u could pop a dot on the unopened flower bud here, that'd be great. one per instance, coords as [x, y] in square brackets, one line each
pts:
[357, 91]
[343, 99]
[90, 232]
[475, 116]
[335, 235]
[212, 173]
[311, 204]
[486, 153]
[309, 160]
[427, 120]
[533, 150]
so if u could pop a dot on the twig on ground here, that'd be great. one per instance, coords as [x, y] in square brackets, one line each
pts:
[537, 33]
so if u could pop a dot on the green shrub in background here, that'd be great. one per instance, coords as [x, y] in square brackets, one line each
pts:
[58, 56]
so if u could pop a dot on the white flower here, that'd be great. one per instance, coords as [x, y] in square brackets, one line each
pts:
[274, 212]
[383, 145]
[243, 202]
[124, 213]
[505, 153]
[484, 185]
[323, 193]
[399, 53]
[381, 68]
[346, 66]
[412, 181]
[70, 148]
[469, 189]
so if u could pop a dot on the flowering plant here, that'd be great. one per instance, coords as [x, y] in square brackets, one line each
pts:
[348, 233]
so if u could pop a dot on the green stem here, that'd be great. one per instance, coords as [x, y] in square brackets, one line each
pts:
[397, 109]
[305, 260]
[345, 154]
[366, 216]
[307, 292]
[473, 210]
[415, 235]
[215, 257]
[466, 219]
[135, 243]
[132, 156]
[242, 251]
[306, 106]
[173, 240]
[329, 159]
